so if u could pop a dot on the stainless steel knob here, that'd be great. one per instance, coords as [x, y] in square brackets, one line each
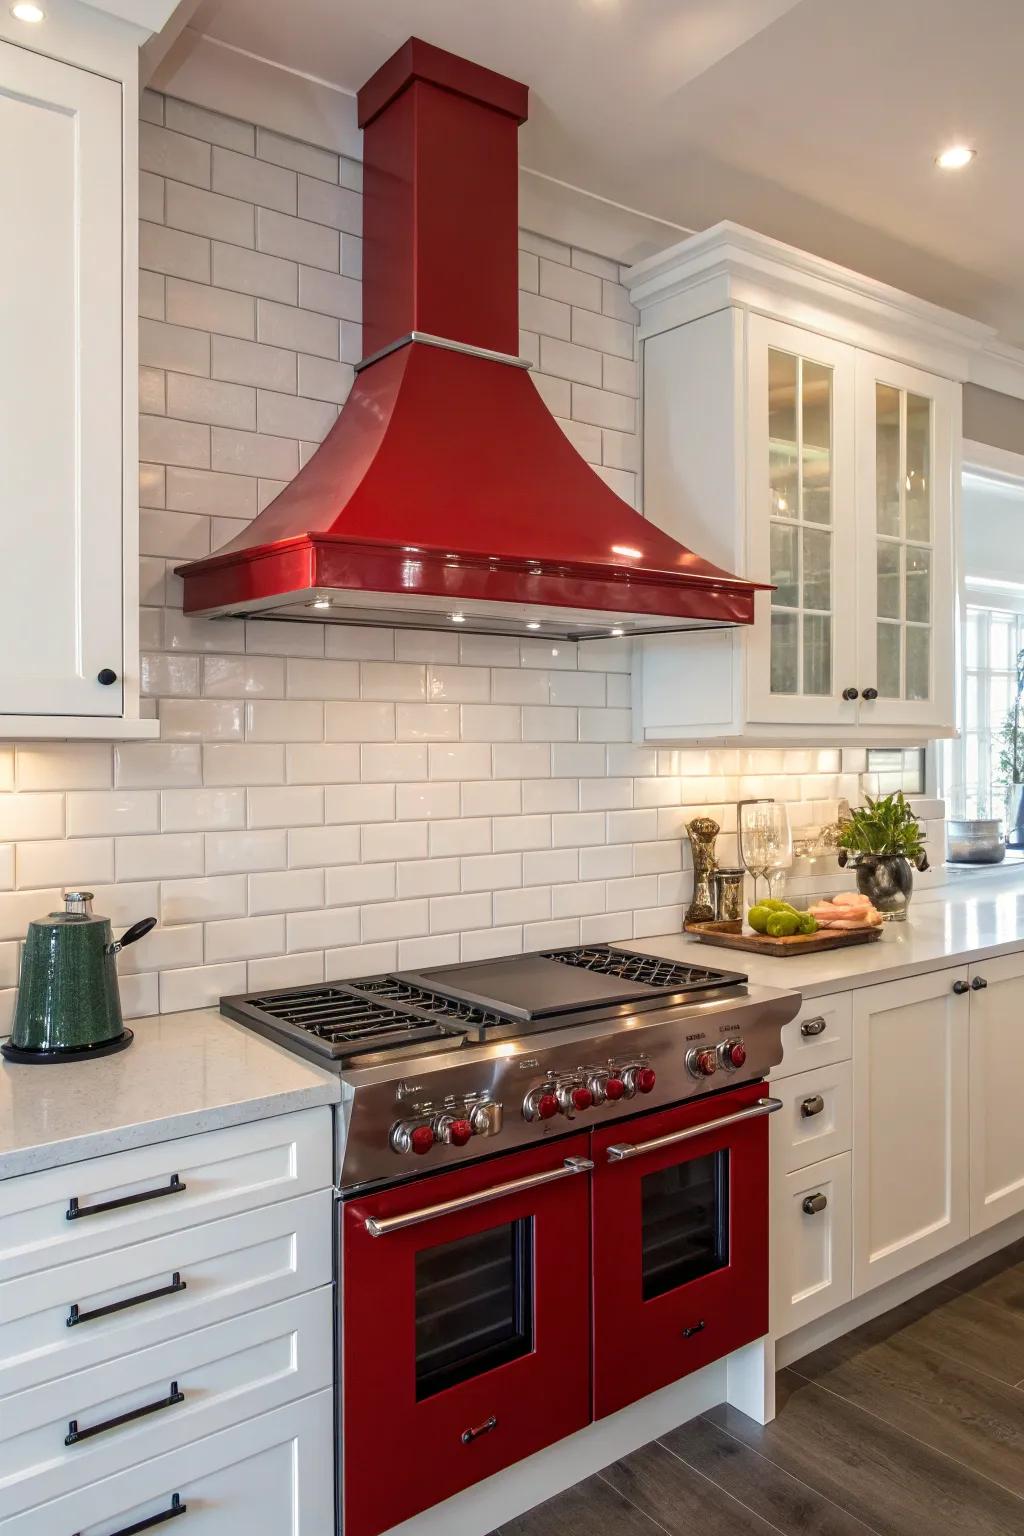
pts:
[813, 1105]
[811, 1027]
[485, 1117]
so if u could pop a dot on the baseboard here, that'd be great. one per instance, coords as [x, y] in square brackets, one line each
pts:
[803, 1341]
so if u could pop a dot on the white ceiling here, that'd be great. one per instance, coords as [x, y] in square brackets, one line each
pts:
[815, 121]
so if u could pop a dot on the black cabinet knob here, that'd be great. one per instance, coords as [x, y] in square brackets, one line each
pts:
[978, 984]
[106, 677]
[870, 693]
[960, 987]
[849, 694]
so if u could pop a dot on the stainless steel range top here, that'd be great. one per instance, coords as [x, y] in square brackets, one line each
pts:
[453, 1063]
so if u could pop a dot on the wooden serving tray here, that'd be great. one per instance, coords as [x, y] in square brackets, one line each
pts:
[726, 937]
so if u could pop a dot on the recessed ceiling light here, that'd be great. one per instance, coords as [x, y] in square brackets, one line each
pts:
[25, 11]
[955, 157]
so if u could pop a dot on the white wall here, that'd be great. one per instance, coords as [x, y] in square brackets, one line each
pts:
[328, 800]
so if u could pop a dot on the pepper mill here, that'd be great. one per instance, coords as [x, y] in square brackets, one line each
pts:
[702, 832]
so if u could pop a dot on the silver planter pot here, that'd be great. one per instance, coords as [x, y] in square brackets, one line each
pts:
[887, 880]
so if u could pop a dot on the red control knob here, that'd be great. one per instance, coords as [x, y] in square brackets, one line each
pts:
[459, 1132]
[421, 1139]
[582, 1098]
[547, 1106]
[702, 1063]
[645, 1079]
[614, 1088]
[736, 1053]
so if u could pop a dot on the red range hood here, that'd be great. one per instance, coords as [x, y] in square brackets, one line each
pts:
[446, 492]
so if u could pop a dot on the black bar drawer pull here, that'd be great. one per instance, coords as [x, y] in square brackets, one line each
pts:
[469, 1435]
[813, 1105]
[688, 1333]
[811, 1027]
[75, 1435]
[177, 1508]
[75, 1212]
[76, 1315]
[813, 1204]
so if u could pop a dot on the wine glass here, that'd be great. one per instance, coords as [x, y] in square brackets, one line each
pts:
[753, 845]
[766, 841]
[779, 846]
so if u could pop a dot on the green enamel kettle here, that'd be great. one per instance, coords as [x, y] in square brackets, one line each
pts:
[69, 1004]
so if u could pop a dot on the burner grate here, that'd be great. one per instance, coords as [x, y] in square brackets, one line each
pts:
[647, 970]
[345, 1019]
[429, 1002]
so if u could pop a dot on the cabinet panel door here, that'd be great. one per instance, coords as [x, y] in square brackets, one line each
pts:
[905, 578]
[60, 388]
[910, 1133]
[801, 517]
[811, 1262]
[997, 1072]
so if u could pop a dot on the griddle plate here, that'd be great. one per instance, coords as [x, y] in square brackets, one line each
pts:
[528, 987]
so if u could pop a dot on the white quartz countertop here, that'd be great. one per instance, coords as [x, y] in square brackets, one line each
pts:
[977, 915]
[184, 1072]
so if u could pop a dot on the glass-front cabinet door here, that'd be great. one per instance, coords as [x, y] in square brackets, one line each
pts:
[905, 539]
[800, 409]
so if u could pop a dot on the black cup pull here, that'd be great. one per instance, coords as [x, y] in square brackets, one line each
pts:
[870, 694]
[469, 1435]
[177, 1508]
[106, 676]
[849, 694]
[75, 1212]
[76, 1315]
[688, 1333]
[75, 1435]
[813, 1204]
[978, 984]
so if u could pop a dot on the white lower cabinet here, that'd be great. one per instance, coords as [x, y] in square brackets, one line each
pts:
[997, 1090]
[811, 1243]
[821, 1033]
[911, 1141]
[815, 1120]
[270, 1476]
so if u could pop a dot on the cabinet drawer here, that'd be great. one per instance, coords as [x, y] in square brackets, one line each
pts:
[812, 1254]
[271, 1476]
[816, 1120]
[52, 1217]
[822, 1032]
[140, 1405]
[138, 1296]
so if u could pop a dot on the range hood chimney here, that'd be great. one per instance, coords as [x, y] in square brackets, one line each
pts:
[446, 493]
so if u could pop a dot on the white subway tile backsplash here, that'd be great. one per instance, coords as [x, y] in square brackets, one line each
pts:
[229, 853]
[319, 762]
[203, 899]
[429, 802]
[28, 816]
[458, 685]
[394, 840]
[467, 835]
[294, 720]
[323, 929]
[201, 810]
[92, 812]
[395, 920]
[58, 765]
[551, 866]
[159, 856]
[83, 861]
[305, 158]
[490, 797]
[294, 806]
[547, 795]
[286, 891]
[285, 971]
[309, 847]
[428, 877]
[200, 986]
[469, 760]
[359, 802]
[208, 213]
[200, 720]
[427, 722]
[388, 762]
[453, 912]
[348, 884]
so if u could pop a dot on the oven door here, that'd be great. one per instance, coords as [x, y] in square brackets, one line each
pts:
[465, 1328]
[680, 1235]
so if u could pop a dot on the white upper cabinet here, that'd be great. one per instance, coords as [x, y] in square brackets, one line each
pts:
[68, 501]
[798, 456]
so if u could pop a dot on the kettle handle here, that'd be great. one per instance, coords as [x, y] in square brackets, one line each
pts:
[131, 935]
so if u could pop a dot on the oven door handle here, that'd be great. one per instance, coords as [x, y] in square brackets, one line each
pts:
[381, 1228]
[623, 1149]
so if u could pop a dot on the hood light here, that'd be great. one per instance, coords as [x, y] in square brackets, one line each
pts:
[24, 11]
[955, 157]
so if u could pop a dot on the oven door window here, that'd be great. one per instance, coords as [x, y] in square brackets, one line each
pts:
[474, 1305]
[685, 1222]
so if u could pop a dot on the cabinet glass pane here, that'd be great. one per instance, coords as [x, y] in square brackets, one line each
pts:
[784, 652]
[919, 584]
[817, 654]
[889, 660]
[684, 1223]
[816, 456]
[918, 659]
[918, 488]
[785, 566]
[887, 458]
[888, 580]
[474, 1305]
[782, 435]
[817, 568]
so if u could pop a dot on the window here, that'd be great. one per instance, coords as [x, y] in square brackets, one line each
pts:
[898, 768]
[992, 639]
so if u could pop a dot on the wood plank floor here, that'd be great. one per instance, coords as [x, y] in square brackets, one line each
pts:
[912, 1425]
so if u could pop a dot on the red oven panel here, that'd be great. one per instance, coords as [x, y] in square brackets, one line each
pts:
[680, 1246]
[466, 1336]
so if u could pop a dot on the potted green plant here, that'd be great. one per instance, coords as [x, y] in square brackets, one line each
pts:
[1010, 747]
[882, 842]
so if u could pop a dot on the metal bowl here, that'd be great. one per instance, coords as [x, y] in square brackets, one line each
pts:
[975, 842]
